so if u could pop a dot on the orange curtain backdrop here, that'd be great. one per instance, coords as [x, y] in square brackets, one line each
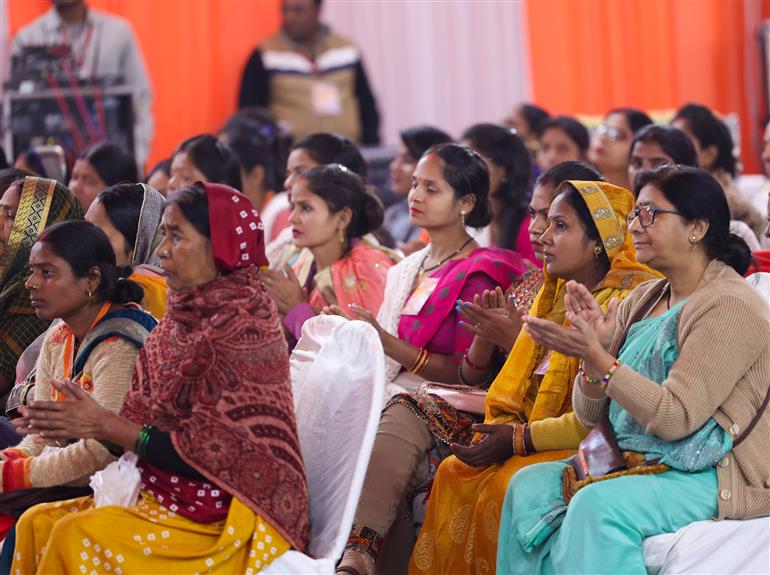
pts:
[195, 51]
[590, 56]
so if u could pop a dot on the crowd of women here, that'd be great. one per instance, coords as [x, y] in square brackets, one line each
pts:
[537, 288]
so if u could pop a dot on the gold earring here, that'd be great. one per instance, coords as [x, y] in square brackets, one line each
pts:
[90, 296]
[342, 235]
[693, 239]
[462, 218]
[597, 252]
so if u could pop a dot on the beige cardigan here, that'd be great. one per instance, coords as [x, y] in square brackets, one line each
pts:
[110, 367]
[723, 371]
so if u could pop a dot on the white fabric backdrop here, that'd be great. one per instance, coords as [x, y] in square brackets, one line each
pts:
[440, 62]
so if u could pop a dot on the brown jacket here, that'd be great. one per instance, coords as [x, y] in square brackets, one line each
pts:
[723, 371]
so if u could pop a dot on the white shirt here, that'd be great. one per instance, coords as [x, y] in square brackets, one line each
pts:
[104, 46]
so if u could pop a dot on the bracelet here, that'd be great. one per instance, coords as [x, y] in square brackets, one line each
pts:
[140, 447]
[420, 362]
[586, 378]
[460, 375]
[473, 366]
[519, 445]
[610, 372]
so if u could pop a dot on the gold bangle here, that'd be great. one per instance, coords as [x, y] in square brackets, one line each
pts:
[424, 364]
[420, 361]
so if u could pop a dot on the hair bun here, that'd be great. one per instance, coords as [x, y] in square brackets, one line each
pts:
[737, 254]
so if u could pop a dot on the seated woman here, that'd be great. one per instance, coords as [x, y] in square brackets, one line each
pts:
[27, 207]
[332, 213]
[130, 215]
[209, 414]
[510, 176]
[99, 167]
[528, 119]
[684, 397]
[203, 158]
[528, 412]
[611, 143]
[659, 145]
[715, 151]
[414, 143]
[315, 150]
[101, 329]
[416, 428]
[562, 138]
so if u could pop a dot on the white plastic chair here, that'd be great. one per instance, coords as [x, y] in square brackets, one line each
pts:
[338, 377]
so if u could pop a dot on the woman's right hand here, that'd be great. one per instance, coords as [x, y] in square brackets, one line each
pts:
[493, 318]
[581, 303]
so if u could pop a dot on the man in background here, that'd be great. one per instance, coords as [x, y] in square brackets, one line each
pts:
[311, 78]
[101, 46]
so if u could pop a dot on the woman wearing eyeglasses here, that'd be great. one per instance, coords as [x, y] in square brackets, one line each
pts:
[689, 384]
[611, 143]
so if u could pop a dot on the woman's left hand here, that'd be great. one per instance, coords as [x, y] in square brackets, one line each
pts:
[495, 447]
[284, 289]
[79, 416]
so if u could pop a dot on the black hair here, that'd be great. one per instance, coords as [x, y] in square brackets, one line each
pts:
[123, 205]
[505, 149]
[697, 195]
[535, 117]
[673, 141]
[326, 148]
[636, 118]
[419, 139]
[253, 150]
[466, 173]
[341, 188]
[572, 196]
[11, 175]
[575, 131]
[35, 162]
[113, 163]
[569, 170]
[164, 166]
[3, 159]
[194, 203]
[259, 123]
[84, 246]
[710, 131]
[214, 159]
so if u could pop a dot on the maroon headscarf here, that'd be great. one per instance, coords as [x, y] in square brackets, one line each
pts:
[237, 234]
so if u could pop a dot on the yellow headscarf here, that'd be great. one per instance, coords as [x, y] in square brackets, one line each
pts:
[511, 397]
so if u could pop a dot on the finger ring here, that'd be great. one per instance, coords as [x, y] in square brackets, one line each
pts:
[477, 324]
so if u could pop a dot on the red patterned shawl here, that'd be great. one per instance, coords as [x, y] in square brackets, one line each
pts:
[215, 374]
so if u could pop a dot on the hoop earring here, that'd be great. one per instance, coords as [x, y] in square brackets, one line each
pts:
[597, 252]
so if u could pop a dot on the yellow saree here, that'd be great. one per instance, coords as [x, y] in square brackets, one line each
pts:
[459, 535]
[145, 538]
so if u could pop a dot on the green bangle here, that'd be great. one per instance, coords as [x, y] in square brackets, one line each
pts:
[140, 447]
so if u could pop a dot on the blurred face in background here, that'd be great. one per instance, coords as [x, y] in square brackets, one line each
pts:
[611, 144]
[401, 171]
[86, 183]
[556, 147]
[646, 156]
[300, 19]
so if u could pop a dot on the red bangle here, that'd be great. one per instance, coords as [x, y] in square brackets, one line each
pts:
[473, 366]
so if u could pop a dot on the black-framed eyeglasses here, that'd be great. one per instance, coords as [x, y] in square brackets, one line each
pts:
[646, 215]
